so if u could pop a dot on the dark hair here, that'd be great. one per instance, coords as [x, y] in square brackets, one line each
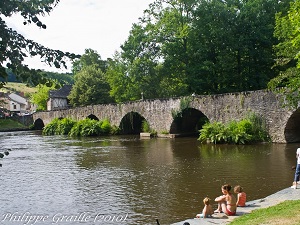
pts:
[226, 187]
[186, 223]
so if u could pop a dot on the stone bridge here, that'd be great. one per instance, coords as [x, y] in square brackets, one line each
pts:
[283, 123]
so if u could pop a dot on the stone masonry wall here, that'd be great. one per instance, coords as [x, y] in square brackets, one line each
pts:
[158, 112]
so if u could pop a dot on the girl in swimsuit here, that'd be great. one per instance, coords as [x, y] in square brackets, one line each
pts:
[226, 202]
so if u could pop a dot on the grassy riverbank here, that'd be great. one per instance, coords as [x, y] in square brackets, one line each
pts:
[285, 213]
[9, 124]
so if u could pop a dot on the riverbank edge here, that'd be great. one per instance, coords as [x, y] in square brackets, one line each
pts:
[271, 200]
[14, 129]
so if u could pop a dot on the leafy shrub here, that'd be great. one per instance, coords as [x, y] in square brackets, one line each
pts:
[64, 126]
[50, 128]
[250, 129]
[214, 132]
[259, 128]
[239, 132]
[145, 126]
[75, 131]
[105, 127]
[89, 127]
[114, 130]
[86, 127]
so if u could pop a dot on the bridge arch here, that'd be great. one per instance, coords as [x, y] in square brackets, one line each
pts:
[131, 123]
[189, 121]
[292, 128]
[38, 124]
[93, 117]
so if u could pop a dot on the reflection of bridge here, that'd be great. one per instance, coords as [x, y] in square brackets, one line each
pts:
[283, 123]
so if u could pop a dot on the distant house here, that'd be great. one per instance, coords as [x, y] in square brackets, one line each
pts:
[58, 99]
[17, 103]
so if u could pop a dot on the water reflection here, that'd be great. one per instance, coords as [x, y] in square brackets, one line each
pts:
[144, 178]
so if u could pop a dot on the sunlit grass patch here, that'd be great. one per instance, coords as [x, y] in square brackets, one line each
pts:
[286, 213]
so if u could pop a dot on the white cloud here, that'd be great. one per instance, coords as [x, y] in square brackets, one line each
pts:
[75, 25]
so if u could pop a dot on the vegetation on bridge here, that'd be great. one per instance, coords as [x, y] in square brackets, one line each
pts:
[83, 128]
[250, 129]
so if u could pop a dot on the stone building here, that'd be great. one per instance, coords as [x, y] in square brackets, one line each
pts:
[58, 99]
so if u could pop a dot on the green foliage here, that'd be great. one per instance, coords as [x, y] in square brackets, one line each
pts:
[64, 126]
[90, 128]
[259, 128]
[286, 212]
[287, 51]
[105, 127]
[7, 124]
[61, 78]
[50, 128]
[129, 80]
[14, 47]
[239, 132]
[90, 87]
[145, 126]
[250, 129]
[76, 129]
[184, 104]
[41, 97]
[83, 128]
[114, 130]
[214, 132]
[90, 57]
[147, 129]
[182, 47]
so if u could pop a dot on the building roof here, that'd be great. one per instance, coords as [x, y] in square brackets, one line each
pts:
[17, 98]
[61, 93]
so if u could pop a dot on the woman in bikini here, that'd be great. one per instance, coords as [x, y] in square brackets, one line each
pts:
[226, 202]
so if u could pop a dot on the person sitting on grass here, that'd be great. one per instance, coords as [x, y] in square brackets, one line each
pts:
[207, 210]
[226, 202]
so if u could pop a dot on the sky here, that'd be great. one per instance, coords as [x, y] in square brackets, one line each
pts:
[75, 25]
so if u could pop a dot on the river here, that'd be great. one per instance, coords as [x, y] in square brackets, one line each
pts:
[128, 180]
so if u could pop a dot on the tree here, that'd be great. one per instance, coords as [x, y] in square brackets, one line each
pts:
[61, 78]
[288, 57]
[172, 29]
[14, 47]
[203, 47]
[90, 83]
[90, 87]
[154, 57]
[90, 57]
[232, 45]
[41, 97]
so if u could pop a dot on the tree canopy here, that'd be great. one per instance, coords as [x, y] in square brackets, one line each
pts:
[90, 85]
[288, 54]
[14, 47]
[180, 47]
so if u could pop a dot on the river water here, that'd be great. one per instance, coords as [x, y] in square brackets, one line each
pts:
[128, 180]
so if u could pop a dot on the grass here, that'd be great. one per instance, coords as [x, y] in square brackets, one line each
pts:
[17, 87]
[285, 213]
[9, 124]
